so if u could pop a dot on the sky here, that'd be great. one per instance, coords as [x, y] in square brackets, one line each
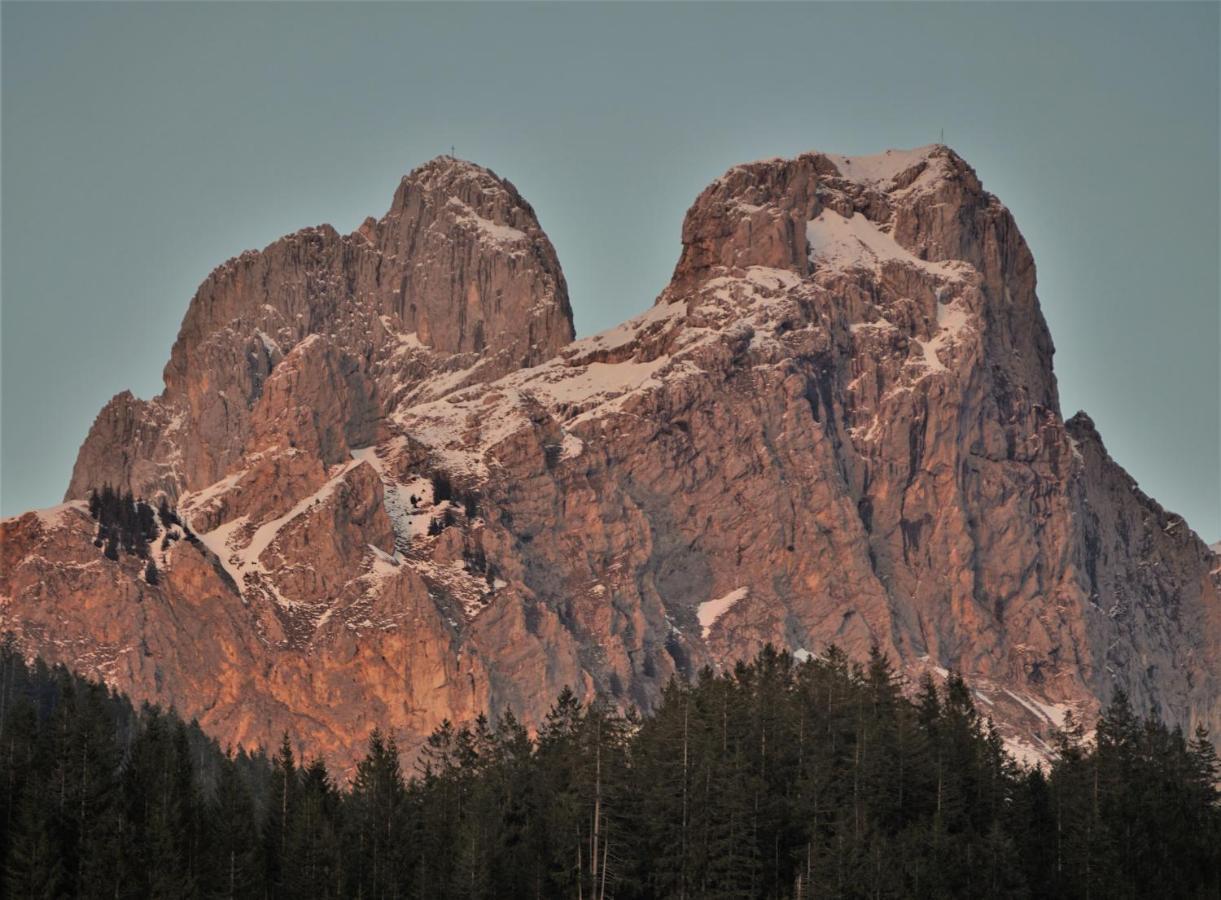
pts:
[142, 144]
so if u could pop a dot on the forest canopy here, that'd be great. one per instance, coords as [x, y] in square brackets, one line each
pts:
[776, 779]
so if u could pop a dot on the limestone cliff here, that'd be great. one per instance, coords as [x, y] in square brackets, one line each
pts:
[416, 498]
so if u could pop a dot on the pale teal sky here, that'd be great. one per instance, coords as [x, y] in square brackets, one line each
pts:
[145, 143]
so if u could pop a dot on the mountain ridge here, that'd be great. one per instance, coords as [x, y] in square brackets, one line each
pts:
[837, 424]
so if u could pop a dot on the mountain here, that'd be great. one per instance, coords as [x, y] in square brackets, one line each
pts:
[399, 491]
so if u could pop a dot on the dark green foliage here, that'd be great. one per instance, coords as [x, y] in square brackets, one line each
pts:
[442, 487]
[470, 504]
[475, 559]
[377, 803]
[123, 520]
[166, 514]
[776, 780]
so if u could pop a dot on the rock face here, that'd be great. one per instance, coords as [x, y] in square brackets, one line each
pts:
[417, 498]
[457, 279]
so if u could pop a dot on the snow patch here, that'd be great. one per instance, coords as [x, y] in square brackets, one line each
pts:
[202, 499]
[53, 515]
[772, 278]
[942, 672]
[268, 531]
[711, 610]
[218, 541]
[627, 332]
[461, 428]
[952, 319]
[269, 344]
[856, 242]
[880, 167]
[407, 340]
[409, 520]
[242, 560]
[879, 325]
[1053, 713]
[1027, 753]
[580, 384]
[500, 234]
[571, 447]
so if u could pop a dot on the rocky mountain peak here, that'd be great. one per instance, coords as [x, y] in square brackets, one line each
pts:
[497, 286]
[445, 177]
[918, 220]
[411, 496]
[456, 277]
[756, 213]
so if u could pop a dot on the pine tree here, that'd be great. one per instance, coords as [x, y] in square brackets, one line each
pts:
[378, 805]
[281, 804]
[771, 780]
[35, 859]
[312, 843]
[167, 515]
[232, 837]
[442, 488]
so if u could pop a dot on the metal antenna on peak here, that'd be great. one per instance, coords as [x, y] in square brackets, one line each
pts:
[942, 135]
[452, 154]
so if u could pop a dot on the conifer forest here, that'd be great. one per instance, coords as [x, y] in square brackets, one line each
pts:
[778, 779]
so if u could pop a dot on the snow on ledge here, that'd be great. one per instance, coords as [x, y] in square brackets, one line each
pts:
[837, 241]
[711, 610]
[51, 516]
[500, 234]
[880, 167]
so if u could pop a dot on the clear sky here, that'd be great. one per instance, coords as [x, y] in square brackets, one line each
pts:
[145, 143]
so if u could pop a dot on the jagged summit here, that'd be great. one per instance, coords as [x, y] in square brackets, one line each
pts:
[413, 496]
[445, 179]
[890, 165]
[456, 277]
[445, 169]
[757, 213]
[874, 168]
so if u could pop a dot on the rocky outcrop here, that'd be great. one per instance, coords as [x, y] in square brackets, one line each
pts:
[457, 277]
[416, 498]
